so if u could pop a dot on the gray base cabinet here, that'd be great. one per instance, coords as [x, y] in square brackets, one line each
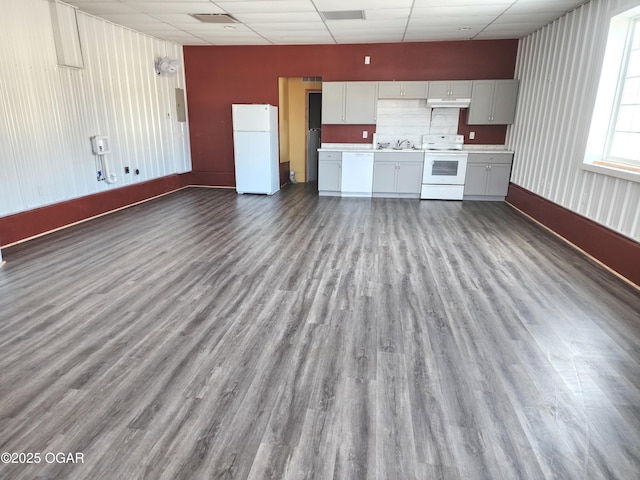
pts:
[397, 174]
[488, 176]
[329, 173]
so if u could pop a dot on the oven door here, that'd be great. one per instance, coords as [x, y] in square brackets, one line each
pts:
[444, 168]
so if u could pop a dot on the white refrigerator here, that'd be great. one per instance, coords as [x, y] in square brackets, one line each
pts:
[255, 144]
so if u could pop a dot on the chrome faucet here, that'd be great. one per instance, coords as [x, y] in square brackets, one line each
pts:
[400, 143]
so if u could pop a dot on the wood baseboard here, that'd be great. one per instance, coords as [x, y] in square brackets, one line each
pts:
[39, 221]
[211, 179]
[617, 252]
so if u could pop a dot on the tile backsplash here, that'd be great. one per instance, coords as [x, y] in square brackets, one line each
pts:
[411, 119]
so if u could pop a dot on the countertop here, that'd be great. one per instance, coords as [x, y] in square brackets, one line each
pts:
[367, 147]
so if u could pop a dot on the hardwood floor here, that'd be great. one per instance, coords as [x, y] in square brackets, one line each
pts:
[206, 335]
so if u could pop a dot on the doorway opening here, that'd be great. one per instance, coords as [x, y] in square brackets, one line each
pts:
[314, 133]
[300, 107]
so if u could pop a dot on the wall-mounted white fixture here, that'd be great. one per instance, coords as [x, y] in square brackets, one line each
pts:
[100, 147]
[367, 60]
[166, 66]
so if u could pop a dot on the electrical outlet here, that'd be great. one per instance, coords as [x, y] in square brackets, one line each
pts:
[365, 134]
[367, 60]
[472, 135]
[126, 170]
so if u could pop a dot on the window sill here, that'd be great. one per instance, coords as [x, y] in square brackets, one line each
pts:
[612, 171]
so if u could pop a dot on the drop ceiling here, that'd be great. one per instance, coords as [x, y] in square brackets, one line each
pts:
[290, 22]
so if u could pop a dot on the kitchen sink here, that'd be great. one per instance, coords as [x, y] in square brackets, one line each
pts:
[395, 149]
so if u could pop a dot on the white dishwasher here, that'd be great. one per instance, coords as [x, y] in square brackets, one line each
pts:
[357, 174]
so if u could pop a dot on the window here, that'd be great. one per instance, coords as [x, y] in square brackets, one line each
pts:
[624, 135]
[613, 147]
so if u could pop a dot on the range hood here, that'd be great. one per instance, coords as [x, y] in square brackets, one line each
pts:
[448, 102]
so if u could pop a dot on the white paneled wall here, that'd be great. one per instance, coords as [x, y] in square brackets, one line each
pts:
[559, 70]
[50, 112]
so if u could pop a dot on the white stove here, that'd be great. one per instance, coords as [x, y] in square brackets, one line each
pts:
[442, 142]
[445, 167]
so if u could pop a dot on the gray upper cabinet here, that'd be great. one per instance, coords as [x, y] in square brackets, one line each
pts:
[493, 102]
[450, 89]
[333, 102]
[361, 102]
[403, 90]
[349, 102]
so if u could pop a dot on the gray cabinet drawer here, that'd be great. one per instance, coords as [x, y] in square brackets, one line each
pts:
[488, 158]
[329, 156]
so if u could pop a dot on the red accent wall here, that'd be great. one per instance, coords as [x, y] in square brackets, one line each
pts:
[485, 134]
[219, 76]
[347, 133]
[21, 226]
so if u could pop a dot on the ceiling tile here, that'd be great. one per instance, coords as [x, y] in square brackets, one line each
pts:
[513, 27]
[337, 5]
[294, 28]
[369, 39]
[466, 3]
[182, 18]
[278, 17]
[184, 7]
[303, 41]
[387, 13]
[158, 29]
[129, 18]
[460, 21]
[98, 8]
[195, 41]
[307, 34]
[449, 30]
[537, 7]
[239, 41]
[213, 28]
[298, 21]
[542, 18]
[267, 6]
[456, 11]
[435, 37]
[370, 26]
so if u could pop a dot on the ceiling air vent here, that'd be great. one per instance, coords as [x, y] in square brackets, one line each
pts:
[215, 17]
[344, 15]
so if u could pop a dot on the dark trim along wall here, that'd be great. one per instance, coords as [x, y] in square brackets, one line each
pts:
[31, 223]
[24, 225]
[612, 249]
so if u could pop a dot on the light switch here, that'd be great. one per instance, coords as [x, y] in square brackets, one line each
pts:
[367, 60]
[472, 135]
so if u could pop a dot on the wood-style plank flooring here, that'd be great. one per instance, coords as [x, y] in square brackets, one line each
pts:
[206, 335]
